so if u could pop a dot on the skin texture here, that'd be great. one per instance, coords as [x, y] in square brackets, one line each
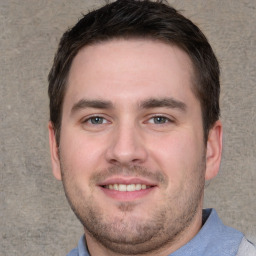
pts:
[130, 116]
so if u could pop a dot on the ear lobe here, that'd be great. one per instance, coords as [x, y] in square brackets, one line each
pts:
[213, 151]
[54, 152]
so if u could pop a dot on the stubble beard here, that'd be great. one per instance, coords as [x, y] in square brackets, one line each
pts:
[126, 234]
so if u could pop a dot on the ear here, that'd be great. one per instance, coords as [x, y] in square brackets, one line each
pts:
[54, 152]
[213, 151]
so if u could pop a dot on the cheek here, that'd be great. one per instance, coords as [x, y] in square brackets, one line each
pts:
[176, 154]
[79, 154]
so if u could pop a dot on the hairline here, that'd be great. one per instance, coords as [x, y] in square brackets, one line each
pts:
[127, 37]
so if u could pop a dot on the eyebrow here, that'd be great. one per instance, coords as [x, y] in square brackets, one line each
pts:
[164, 102]
[147, 104]
[84, 103]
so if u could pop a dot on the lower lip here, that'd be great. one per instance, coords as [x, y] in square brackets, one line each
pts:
[126, 195]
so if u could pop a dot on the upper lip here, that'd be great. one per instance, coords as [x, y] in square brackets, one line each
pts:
[126, 181]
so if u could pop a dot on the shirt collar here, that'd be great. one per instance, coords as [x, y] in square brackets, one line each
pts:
[214, 238]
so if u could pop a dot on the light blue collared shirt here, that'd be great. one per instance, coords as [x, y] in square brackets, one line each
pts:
[214, 239]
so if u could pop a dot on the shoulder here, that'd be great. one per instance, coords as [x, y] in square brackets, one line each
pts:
[73, 252]
[246, 248]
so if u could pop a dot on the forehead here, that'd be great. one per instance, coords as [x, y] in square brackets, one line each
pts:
[133, 69]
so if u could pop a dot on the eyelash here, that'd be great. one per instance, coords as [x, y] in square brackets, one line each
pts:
[166, 119]
[89, 120]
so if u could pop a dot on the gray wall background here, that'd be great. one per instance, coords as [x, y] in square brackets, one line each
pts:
[35, 218]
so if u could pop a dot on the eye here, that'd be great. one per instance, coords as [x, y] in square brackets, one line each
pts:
[96, 120]
[159, 120]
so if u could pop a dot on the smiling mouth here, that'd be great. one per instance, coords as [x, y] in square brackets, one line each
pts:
[127, 188]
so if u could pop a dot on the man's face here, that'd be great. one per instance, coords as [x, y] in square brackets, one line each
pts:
[132, 156]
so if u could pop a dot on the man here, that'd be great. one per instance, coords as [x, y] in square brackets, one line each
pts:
[134, 133]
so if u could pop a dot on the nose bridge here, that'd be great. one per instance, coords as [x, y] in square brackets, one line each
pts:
[127, 145]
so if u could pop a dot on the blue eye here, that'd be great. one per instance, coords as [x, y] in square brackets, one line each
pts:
[159, 120]
[97, 120]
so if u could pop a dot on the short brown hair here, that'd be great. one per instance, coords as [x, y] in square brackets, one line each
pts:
[138, 19]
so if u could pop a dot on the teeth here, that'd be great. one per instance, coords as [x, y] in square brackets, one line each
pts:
[122, 187]
[138, 186]
[130, 187]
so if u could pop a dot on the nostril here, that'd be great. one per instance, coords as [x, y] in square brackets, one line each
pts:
[113, 161]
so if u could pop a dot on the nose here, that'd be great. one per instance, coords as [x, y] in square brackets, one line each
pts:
[126, 146]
